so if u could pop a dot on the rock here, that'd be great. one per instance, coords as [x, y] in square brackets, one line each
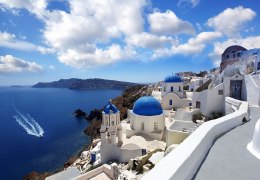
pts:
[93, 129]
[36, 176]
[95, 114]
[79, 113]
[70, 161]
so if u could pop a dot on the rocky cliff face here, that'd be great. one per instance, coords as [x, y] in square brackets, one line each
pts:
[36, 176]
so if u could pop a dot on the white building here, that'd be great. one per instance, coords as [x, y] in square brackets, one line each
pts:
[111, 130]
[147, 117]
[172, 93]
[112, 145]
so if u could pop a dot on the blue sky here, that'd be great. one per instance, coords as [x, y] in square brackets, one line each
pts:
[130, 40]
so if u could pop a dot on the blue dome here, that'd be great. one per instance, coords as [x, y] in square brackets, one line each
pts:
[172, 79]
[110, 107]
[147, 106]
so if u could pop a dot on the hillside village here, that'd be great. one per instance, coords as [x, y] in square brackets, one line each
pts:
[185, 122]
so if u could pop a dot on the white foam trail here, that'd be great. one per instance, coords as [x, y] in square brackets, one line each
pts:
[28, 123]
[38, 127]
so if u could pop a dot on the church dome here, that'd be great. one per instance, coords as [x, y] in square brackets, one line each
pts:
[110, 108]
[147, 106]
[172, 79]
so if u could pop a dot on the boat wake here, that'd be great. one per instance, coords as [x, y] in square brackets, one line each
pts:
[28, 123]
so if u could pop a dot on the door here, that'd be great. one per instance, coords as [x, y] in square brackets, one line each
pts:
[142, 126]
[236, 89]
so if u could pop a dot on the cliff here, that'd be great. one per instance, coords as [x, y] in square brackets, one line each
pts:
[85, 84]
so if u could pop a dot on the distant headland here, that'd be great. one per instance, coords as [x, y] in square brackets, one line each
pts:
[85, 84]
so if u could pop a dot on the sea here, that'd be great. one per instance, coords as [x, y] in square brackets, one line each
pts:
[38, 131]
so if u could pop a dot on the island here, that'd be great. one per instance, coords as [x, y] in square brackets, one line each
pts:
[86, 84]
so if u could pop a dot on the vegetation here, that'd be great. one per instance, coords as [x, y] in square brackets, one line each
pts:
[186, 87]
[198, 116]
[216, 115]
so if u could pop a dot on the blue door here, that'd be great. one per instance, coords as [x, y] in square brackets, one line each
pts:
[258, 66]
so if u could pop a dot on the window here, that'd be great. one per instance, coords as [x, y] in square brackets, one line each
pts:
[170, 102]
[172, 89]
[220, 92]
[197, 104]
[258, 66]
[164, 88]
[234, 55]
[106, 121]
[190, 104]
[227, 56]
[155, 126]
[179, 88]
[142, 126]
[238, 54]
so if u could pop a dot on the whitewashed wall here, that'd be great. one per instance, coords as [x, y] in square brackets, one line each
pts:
[176, 101]
[110, 152]
[185, 160]
[252, 91]
[136, 122]
[210, 100]
[177, 88]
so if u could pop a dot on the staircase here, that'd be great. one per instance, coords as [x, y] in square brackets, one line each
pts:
[204, 86]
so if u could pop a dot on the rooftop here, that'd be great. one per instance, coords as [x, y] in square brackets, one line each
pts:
[147, 106]
[110, 108]
[229, 158]
[183, 126]
[173, 79]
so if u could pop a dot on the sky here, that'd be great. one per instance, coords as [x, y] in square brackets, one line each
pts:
[128, 40]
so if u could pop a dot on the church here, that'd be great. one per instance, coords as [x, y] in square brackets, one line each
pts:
[172, 94]
[142, 132]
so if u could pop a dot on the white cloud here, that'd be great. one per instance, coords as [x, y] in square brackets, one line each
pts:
[11, 41]
[194, 45]
[36, 7]
[219, 47]
[168, 23]
[75, 35]
[95, 33]
[232, 21]
[197, 44]
[96, 57]
[11, 64]
[185, 3]
[147, 40]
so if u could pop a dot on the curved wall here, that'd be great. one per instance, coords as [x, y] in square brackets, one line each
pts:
[188, 156]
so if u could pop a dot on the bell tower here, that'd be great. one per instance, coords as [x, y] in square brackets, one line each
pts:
[111, 130]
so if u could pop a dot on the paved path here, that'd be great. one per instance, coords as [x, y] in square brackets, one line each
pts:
[229, 158]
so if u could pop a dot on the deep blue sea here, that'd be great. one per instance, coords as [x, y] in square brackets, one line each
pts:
[26, 113]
